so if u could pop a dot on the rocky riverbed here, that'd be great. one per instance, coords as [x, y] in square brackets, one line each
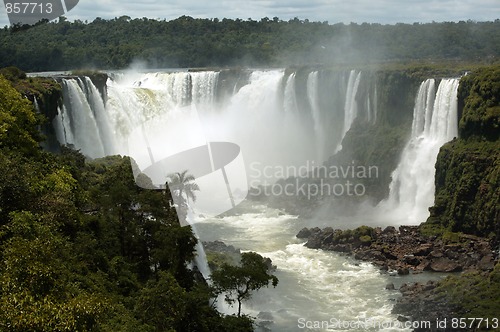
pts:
[403, 250]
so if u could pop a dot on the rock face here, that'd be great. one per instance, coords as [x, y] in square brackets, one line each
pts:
[467, 196]
[404, 249]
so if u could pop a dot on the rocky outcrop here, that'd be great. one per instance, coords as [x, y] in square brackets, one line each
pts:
[219, 253]
[405, 249]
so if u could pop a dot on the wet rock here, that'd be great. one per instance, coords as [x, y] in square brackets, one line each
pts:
[346, 248]
[314, 242]
[444, 264]
[404, 249]
[411, 260]
[304, 233]
[390, 286]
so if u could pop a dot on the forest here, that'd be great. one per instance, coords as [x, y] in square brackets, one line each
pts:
[189, 42]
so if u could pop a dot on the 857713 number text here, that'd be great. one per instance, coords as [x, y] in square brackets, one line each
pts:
[28, 8]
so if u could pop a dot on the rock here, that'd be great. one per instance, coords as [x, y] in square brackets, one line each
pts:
[486, 263]
[373, 255]
[314, 242]
[423, 250]
[342, 248]
[411, 260]
[436, 253]
[304, 233]
[444, 264]
[403, 271]
[407, 230]
[389, 230]
[390, 286]
[327, 238]
[389, 255]
[452, 254]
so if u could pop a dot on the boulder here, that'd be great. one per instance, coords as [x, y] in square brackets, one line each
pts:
[423, 250]
[486, 263]
[411, 260]
[389, 230]
[444, 264]
[304, 233]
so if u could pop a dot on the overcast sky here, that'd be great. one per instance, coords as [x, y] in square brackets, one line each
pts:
[333, 11]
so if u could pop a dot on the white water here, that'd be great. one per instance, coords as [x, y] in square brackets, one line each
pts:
[434, 123]
[351, 107]
[312, 95]
[264, 118]
[314, 285]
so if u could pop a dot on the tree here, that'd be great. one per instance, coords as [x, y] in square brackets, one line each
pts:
[182, 188]
[18, 122]
[239, 282]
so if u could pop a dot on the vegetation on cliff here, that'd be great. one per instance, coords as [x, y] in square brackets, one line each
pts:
[82, 247]
[467, 197]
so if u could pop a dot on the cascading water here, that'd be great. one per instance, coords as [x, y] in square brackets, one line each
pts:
[434, 123]
[82, 121]
[351, 107]
[312, 94]
[276, 119]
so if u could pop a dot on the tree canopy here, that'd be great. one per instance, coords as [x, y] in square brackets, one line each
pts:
[239, 282]
[190, 42]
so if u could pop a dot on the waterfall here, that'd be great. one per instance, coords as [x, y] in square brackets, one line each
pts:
[312, 95]
[277, 120]
[80, 127]
[204, 88]
[96, 103]
[200, 260]
[434, 123]
[290, 97]
[351, 106]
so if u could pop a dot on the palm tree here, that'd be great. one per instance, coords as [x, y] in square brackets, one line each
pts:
[182, 188]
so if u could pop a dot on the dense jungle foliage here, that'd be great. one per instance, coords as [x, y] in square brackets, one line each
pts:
[189, 42]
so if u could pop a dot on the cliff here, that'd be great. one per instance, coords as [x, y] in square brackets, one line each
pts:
[467, 200]
[45, 95]
[467, 197]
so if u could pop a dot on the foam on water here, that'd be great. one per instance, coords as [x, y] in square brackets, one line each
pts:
[314, 285]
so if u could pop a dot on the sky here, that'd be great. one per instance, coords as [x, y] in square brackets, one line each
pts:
[333, 11]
